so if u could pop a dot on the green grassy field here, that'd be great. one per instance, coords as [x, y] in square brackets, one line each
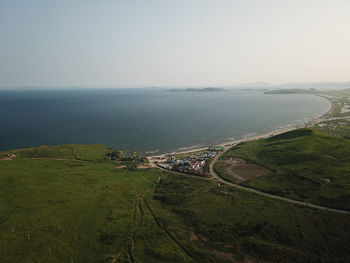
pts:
[90, 152]
[306, 165]
[239, 226]
[55, 210]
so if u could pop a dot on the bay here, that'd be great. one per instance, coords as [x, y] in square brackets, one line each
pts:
[147, 120]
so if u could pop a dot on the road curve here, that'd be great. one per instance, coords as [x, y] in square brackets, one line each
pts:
[216, 177]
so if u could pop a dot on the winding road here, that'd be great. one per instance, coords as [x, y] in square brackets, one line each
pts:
[216, 177]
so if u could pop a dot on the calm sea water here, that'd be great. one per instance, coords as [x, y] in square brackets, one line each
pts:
[148, 120]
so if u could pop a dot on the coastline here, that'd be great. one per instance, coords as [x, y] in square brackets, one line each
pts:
[229, 144]
[278, 131]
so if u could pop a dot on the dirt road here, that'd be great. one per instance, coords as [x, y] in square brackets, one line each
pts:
[216, 177]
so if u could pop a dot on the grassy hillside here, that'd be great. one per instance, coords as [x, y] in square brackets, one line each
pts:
[305, 164]
[221, 222]
[291, 91]
[91, 152]
[57, 210]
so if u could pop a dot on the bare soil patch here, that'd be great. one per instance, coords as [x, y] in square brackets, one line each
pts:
[193, 236]
[243, 171]
[5, 159]
[143, 166]
[120, 166]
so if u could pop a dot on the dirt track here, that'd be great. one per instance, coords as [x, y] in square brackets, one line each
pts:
[216, 177]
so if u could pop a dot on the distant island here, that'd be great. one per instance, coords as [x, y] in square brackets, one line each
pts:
[341, 92]
[292, 91]
[209, 89]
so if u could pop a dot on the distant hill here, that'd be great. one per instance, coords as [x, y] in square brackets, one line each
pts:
[210, 89]
[291, 91]
[309, 91]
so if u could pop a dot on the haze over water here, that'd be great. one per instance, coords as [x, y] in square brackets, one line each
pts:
[147, 120]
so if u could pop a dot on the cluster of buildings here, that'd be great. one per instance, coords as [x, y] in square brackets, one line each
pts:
[323, 125]
[11, 155]
[196, 163]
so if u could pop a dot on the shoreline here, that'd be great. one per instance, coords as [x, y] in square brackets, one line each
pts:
[227, 144]
[307, 122]
[278, 131]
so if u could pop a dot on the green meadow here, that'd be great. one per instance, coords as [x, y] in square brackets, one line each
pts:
[71, 204]
[306, 165]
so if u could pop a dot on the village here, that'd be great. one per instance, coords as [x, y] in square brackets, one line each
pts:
[7, 157]
[196, 163]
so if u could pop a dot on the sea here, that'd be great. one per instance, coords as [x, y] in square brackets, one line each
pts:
[149, 120]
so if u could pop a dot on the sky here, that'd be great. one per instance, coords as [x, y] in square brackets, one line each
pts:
[173, 42]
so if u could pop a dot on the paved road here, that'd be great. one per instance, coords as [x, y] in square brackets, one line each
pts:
[216, 177]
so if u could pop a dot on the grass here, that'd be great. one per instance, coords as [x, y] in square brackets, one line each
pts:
[243, 225]
[68, 208]
[306, 165]
[45, 151]
[68, 211]
[89, 152]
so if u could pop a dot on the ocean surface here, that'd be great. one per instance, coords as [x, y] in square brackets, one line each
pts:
[147, 120]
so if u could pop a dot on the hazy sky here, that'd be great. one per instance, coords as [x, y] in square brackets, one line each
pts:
[173, 43]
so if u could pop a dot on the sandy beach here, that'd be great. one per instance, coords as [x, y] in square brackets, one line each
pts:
[229, 144]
